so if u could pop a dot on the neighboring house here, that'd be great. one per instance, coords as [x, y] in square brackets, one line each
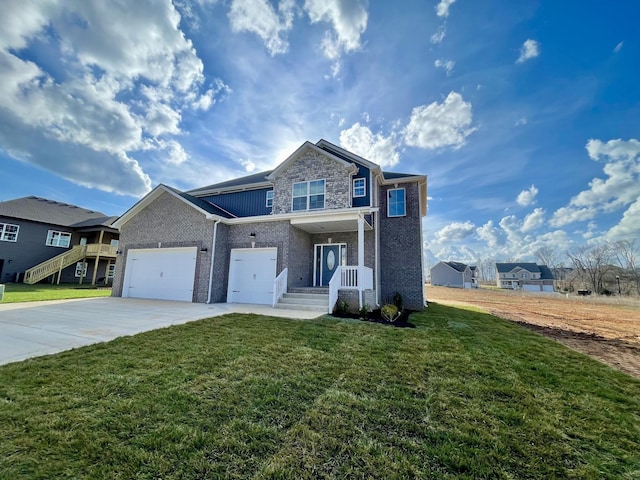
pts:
[524, 276]
[44, 239]
[454, 274]
[324, 217]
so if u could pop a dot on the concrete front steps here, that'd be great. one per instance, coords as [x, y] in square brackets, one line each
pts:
[314, 299]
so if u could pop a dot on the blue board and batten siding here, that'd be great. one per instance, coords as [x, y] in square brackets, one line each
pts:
[363, 172]
[247, 203]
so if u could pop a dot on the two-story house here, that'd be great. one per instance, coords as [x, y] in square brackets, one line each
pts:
[454, 274]
[45, 239]
[324, 220]
[524, 276]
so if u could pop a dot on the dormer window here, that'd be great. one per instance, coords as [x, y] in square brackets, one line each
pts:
[269, 198]
[308, 195]
[359, 187]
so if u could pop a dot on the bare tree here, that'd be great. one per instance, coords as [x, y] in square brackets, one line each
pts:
[486, 268]
[549, 257]
[592, 262]
[626, 253]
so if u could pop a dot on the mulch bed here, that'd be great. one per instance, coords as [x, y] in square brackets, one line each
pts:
[375, 317]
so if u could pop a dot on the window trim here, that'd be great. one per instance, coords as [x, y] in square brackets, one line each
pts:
[404, 194]
[364, 187]
[4, 235]
[84, 269]
[269, 204]
[308, 195]
[51, 234]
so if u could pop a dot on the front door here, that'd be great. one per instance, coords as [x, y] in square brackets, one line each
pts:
[328, 258]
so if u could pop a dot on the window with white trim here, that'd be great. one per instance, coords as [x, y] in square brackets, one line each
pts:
[58, 239]
[81, 269]
[111, 271]
[269, 198]
[308, 195]
[359, 187]
[396, 202]
[9, 232]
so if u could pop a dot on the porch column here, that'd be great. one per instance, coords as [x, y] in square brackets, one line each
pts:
[360, 256]
[95, 266]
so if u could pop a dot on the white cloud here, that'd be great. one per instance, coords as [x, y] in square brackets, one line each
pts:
[438, 37]
[348, 19]
[530, 49]
[621, 187]
[489, 233]
[374, 147]
[534, 220]
[259, 17]
[446, 65]
[122, 88]
[628, 228]
[440, 125]
[455, 232]
[618, 47]
[521, 121]
[527, 197]
[442, 9]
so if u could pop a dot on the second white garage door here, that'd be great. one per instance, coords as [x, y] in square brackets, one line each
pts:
[160, 273]
[251, 275]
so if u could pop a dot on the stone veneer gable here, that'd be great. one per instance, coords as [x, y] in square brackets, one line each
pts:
[309, 166]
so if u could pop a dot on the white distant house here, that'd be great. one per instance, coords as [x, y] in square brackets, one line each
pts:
[453, 274]
[524, 276]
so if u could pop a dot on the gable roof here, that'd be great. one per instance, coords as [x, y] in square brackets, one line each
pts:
[42, 210]
[508, 267]
[209, 210]
[309, 146]
[545, 273]
[345, 155]
[457, 266]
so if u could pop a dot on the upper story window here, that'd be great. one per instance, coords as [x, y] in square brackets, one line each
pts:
[396, 204]
[269, 198]
[308, 195]
[359, 187]
[9, 232]
[58, 239]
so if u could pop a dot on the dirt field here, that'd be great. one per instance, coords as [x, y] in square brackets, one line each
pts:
[607, 329]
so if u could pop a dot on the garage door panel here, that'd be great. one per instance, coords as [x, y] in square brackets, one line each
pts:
[251, 275]
[161, 273]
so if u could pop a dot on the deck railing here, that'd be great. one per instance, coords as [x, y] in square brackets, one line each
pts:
[62, 261]
[349, 278]
[280, 286]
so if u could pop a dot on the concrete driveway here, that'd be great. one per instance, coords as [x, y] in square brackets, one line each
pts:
[32, 329]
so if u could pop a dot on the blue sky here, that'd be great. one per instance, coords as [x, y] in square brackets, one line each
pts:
[523, 115]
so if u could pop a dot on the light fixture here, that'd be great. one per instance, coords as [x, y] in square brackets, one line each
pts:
[204, 249]
[118, 252]
[252, 236]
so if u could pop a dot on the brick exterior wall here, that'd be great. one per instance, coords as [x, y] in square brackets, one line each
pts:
[401, 251]
[313, 166]
[172, 223]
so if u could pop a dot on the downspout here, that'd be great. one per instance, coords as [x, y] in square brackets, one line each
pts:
[213, 256]
[376, 219]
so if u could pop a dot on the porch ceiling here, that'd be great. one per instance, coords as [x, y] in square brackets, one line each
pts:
[327, 225]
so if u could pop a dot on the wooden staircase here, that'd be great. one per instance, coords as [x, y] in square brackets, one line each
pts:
[55, 264]
[313, 299]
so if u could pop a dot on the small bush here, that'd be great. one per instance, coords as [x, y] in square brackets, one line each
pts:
[364, 312]
[390, 312]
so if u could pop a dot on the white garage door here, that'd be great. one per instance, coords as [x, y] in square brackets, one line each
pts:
[531, 288]
[160, 273]
[251, 275]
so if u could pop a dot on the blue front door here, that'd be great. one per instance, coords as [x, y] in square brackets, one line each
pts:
[328, 257]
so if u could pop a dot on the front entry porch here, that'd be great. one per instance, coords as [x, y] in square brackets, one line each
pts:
[340, 256]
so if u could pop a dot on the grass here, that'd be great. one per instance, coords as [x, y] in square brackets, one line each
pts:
[21, 292]
[463, 395]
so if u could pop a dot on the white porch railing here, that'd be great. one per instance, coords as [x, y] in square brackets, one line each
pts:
[280, 286]
[349, 278]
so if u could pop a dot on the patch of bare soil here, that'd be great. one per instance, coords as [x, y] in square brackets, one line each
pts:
[607, 329]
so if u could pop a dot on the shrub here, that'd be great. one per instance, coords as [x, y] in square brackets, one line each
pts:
[341, 308]
[390, 312]
[398, 301]
[364, 312]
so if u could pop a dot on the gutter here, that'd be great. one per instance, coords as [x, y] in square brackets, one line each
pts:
[213, 256]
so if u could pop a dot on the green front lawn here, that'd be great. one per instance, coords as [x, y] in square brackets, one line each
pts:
[464, 395]
[21, 292]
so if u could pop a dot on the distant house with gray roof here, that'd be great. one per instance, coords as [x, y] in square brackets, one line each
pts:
[454, 274]
[43, 239]
[524, 276]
